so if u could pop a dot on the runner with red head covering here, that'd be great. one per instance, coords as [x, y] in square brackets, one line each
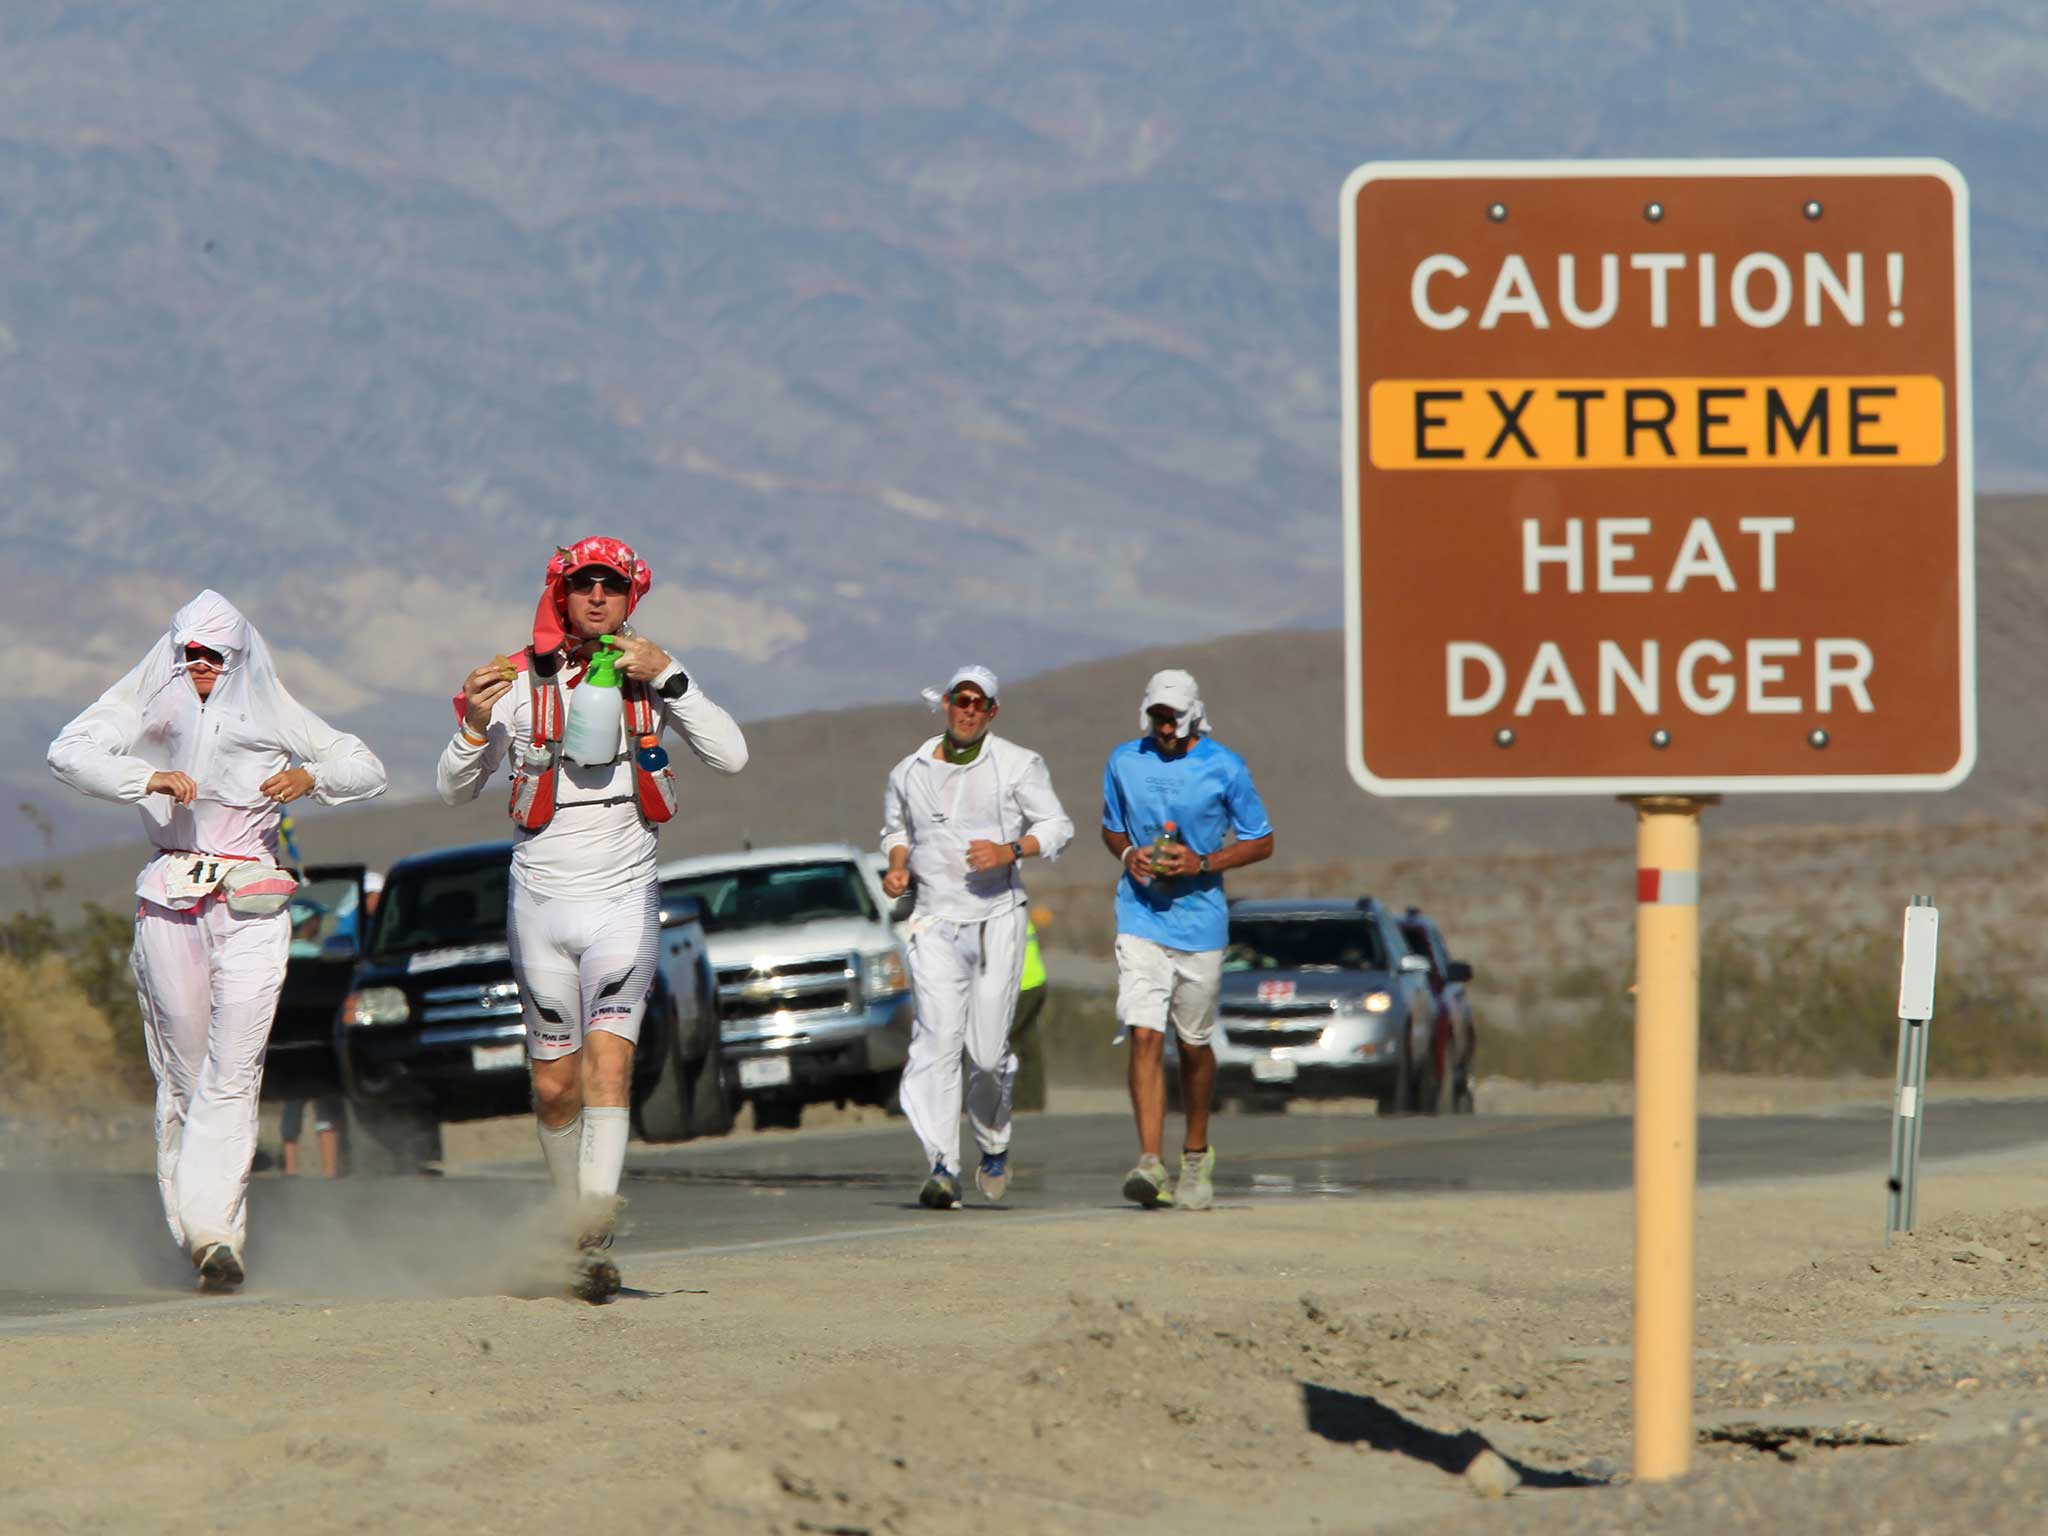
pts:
[584, 917]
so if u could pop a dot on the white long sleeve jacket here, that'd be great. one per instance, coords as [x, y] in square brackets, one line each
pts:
[935, 809]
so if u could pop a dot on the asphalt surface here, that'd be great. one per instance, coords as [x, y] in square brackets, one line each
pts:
[78, 1244]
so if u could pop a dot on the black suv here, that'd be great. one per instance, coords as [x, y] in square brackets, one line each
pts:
[326, 917]
[430, 1030]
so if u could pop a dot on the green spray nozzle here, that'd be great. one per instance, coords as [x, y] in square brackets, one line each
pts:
[604, 664]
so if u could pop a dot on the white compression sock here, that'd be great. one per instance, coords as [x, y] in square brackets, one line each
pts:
[605, 1130]
[562, 1146]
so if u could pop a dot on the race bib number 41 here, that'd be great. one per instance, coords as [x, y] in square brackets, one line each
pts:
[190, 879]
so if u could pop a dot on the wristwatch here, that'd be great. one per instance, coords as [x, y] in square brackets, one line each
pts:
[676, 686]
[1203, 863]
[1017, 851]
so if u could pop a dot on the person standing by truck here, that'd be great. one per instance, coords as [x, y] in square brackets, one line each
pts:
[959, 817]
[205, 741]
[583, 917]
[1170, 800]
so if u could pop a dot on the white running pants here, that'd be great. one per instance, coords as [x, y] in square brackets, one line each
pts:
[965, 976]
[207, 980]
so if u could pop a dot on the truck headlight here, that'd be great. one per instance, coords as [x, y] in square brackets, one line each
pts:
[883, 974]
[376, 1005]
[1376, 1002]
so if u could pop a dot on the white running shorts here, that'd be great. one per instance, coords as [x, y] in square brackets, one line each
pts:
[582, 965]
[1155, 983]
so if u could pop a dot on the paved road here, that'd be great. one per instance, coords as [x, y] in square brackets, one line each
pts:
[76, 1243]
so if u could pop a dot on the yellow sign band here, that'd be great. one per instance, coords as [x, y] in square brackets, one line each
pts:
[1725, 423]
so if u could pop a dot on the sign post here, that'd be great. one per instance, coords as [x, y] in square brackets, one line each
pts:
[1909, 1097]
[1658, 484]
[1666, 1126]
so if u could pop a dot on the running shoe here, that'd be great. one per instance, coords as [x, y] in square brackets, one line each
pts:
[941, 1191]
[1146, 1184]
[597, 1222]
[993, 1176]
[1194, 1192]
[220, 1268]
[597, 1279]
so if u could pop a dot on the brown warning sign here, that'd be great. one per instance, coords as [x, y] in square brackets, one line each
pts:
[1657, 477]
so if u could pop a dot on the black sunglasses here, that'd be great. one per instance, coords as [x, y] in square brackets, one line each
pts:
[969, 701]
[196, 655]
[611, 581]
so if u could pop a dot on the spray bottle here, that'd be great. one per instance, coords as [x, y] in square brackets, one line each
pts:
[594, 734]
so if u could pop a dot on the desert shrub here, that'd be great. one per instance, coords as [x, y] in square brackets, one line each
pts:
[1794, 1003]
[57, 1050]
[69, 972]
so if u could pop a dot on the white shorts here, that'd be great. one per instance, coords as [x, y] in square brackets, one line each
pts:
[1155, 983]
[582, 965]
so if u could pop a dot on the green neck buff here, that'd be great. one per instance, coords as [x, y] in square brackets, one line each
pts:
[956, 753]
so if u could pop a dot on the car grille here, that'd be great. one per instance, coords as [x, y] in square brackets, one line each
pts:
[1270, 1035]
[1240, 1012]
[485, 1000]
[821, 984]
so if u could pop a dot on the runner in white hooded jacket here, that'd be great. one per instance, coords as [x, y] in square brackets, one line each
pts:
[205, 741]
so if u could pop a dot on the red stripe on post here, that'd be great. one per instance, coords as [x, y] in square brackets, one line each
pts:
[1646, 885]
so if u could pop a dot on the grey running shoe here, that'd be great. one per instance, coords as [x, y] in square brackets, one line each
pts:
[993, 1176]
[1146, 1184]
[220, 1268]
[1194, 1192]
[941, 1191]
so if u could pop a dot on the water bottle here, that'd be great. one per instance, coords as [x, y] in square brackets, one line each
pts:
[594, 734]
[1169, 836]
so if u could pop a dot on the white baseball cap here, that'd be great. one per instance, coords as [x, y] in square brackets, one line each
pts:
[981, 677]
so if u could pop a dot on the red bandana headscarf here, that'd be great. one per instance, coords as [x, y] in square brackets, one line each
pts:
[551, 618]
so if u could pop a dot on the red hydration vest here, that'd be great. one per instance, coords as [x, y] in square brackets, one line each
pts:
[537, 762]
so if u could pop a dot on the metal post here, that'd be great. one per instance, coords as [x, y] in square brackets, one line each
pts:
[1902, 1102]
[1909, 1102]
[1918, 1087]
[1666, 1127]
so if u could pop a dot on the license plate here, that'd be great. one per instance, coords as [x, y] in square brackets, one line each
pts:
[1274, 1069]
[492, 1058]
[764, 1072]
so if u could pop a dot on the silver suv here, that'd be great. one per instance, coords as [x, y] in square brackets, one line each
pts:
[1321, 998]
[813, 988]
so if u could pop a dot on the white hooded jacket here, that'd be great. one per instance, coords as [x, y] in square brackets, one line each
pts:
[153, 721]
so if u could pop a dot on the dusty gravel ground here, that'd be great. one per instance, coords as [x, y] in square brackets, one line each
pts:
[1334, 1365]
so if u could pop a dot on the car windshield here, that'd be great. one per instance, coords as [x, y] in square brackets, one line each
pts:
[772, 895]
[1350, 942]
[441, 906]
[323, 916]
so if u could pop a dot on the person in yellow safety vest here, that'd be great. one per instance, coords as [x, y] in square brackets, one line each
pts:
[1025, 1041]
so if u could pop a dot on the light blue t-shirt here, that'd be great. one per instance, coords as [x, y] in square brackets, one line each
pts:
[1205, 792]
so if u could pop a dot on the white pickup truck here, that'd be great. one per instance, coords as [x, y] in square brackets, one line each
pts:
[813, 990]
